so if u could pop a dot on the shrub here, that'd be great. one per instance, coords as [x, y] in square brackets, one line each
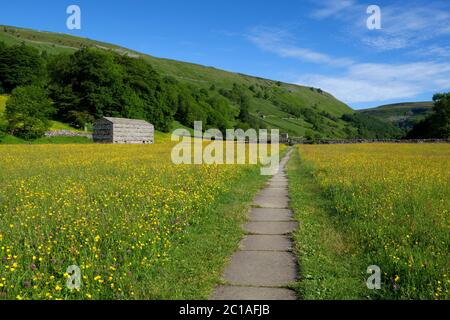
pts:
[28, 111]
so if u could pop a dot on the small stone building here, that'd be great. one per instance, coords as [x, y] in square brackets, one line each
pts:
[284, 138]
[123, 131]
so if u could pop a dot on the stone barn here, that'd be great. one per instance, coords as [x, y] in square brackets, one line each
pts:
[123, 131]
[284, 138]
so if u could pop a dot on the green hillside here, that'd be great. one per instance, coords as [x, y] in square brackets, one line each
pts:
[402, 115]
[277, 105]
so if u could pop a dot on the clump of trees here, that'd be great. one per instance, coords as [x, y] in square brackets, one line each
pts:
[436, 125]
[91, 83]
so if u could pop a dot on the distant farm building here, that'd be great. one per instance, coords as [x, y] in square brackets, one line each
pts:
[123, 131]
[284, 138]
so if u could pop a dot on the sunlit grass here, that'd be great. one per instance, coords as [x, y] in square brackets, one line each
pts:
[389, 206]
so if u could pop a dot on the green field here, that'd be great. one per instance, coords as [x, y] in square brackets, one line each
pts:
[377, 204]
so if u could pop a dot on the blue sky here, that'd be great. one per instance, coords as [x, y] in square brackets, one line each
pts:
[320, 43]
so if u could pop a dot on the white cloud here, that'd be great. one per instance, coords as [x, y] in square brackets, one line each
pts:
[280, 42]
[330, 8]
[407, 26]
[404, 24]
[434, 51]
[370, 82]
[384, 43]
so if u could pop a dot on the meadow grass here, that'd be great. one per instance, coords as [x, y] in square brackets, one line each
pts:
[138, 226]
[378, 204]
[327, 268]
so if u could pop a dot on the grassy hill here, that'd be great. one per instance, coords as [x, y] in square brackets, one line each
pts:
[402, 115]
[278, 105]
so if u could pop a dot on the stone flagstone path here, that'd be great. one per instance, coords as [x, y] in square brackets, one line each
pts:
[264, 265]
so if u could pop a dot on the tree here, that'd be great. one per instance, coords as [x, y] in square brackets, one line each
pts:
[93, 78]
[20, 65]
[244, 108]
[437, 125]
[28, 111]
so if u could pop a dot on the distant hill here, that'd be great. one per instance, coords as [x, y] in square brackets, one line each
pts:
[403, 115]
[294, 109]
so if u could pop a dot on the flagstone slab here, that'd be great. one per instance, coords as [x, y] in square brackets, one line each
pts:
[253, 293]
[270, 214]
[278, 184]
[278, 180]
[266, 243]
[270, 202]
[261, 268]
[272, 227]
[274, 192]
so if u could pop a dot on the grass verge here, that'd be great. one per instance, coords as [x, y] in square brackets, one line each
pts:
[376, 204]
[328, 264]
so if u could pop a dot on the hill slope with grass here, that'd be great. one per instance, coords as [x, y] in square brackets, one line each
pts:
[294, 109]
[402, 115]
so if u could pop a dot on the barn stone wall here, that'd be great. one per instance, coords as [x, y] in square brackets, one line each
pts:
[133, 134]
[103, 131]
[123, 131]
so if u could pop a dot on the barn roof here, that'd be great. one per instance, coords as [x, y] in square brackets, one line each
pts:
[127, 121]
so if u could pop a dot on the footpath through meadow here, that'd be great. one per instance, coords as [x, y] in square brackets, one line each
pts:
[264, 265]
